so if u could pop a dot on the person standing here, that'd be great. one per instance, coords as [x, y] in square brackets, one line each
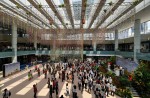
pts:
[113, 90]
[50, 91]
[72, 78]
[63, 75]
[45, 72]
[61, 96]
[35, 90]
[107, 89]
[57, 88]
[74, 92]
[6, 93]
[38, 72]
[48, 82]
[49, 69]
[67, 90]
[79, 84]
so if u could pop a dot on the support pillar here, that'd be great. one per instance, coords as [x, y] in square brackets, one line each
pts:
[94, 41]
[116, 40]
[137, 39]
[35, 40]
[94, 46]
[14, 42]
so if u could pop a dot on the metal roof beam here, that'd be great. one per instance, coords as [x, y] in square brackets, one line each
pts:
[51, 5]
[116, 5]
[124, 12]
[18, 13]
[99, 8]
[42, 11]
[28, 11]
[68, 8]
[84, 4]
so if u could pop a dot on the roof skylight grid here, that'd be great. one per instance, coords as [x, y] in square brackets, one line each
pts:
[62, 18]
[17, 11]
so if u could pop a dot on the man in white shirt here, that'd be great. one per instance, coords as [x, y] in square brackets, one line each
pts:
[107, 88]
[113, 90]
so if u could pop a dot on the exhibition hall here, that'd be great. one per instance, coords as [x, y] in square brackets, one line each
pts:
[74, 48]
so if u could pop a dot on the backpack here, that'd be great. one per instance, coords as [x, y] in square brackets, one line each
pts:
[9, 93]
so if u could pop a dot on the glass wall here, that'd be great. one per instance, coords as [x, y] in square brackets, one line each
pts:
[129, 32]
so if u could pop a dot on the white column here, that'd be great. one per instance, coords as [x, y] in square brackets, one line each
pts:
[94, 42]
[137, 39]
[35, 40]
[94, 46]
[14, 41]
[116, 40]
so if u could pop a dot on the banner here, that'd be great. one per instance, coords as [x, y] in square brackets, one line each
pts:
[10, 68]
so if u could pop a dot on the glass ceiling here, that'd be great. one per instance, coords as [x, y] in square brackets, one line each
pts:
[76, 6]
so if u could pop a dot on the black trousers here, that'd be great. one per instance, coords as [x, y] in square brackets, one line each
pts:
[35, 95]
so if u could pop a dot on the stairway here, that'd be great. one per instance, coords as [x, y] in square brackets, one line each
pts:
[134, 92]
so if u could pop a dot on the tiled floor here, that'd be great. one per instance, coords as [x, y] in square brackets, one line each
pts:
[21, 87]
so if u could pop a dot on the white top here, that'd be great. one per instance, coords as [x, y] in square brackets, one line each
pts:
[67, 89]
[102, 93]
[108, 85]
[86, 81]
[114, 88]
[110, 80]
[111, 87]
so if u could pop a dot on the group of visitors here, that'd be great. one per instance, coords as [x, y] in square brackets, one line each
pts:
[88, 78]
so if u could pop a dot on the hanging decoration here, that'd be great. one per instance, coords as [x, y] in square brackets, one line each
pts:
[50, 21]
[40, 6]
[110, 3]
[83, 21]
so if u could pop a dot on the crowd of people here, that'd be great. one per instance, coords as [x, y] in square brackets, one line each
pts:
[89, 79]
[85, 73]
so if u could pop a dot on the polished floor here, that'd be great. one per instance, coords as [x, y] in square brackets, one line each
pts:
[21, 87]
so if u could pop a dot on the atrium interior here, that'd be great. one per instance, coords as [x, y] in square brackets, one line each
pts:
[75, 48]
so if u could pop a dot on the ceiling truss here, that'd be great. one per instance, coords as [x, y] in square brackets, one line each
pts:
[114, 7]
[52, 6]
[83, 9]
[99, 8]
[68, 8]
[22, 6]
[42, 11]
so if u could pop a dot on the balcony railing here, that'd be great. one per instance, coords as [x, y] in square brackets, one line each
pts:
[143, 56]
